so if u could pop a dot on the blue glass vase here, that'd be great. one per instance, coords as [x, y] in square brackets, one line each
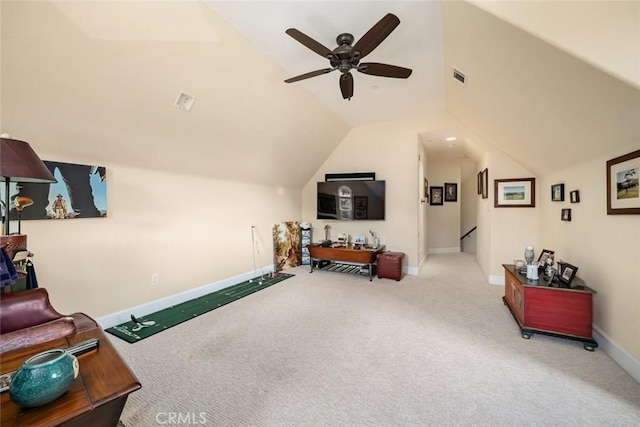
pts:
[43, 378]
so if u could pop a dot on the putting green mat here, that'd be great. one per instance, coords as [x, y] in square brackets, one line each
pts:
[174, 315]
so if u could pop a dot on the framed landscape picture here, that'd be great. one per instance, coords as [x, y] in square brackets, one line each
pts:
[622, 184]
[515, 193]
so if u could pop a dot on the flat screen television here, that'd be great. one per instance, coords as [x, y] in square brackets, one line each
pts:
[351, 200]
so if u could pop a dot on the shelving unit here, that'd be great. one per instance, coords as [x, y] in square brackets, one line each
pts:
[305, 241]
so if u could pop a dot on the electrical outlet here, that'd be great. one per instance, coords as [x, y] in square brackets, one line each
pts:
[155, 279]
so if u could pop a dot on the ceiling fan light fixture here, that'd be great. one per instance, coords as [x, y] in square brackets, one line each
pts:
[346, 56]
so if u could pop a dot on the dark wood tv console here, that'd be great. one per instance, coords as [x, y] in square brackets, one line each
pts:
[557, 310]
[344, 259]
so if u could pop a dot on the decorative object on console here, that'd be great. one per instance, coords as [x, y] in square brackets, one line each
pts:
[529, 254]
[43, 378]
[450, 192]
[359, 241]
[436, 196]
[622, 184]
[21, 164]
[574, 196]
[557, 193]
[375, 241]
[565, 215]
[532, 271]
[515, 193]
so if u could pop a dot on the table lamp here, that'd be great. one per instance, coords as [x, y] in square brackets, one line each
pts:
[19, 163]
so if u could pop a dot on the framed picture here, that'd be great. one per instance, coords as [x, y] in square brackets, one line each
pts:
[574, 196]
[566, 273]
[450, 192]
[80, 192]
[426, 189]
[515, 193]
[557, 193]
[566, 215]
[622, 184]
[436, 195]
[480, 182]
[485, 183]
[544, 255]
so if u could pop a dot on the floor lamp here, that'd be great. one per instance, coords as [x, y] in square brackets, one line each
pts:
[19, 163]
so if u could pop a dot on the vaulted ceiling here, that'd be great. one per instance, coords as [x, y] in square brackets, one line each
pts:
[543, 77]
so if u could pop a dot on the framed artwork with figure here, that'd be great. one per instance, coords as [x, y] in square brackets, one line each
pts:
[450, 192]
[80, 192]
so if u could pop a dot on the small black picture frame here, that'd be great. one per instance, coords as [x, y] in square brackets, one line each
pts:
[436, 194]
[557, 193]
[450, 192]
[479, 182]
[566, 273]
[565, 215]
[485, 183]
[544, 255]
[574, 196]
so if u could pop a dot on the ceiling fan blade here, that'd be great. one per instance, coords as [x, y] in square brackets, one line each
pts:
[346, 85]
[309, 75]
[376, 34]
[310, 43]
[384, 70]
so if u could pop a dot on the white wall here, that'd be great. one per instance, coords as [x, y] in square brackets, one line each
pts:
[444, 220]
[192, 231]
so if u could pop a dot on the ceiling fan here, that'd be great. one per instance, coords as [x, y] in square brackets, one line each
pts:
[346, 56]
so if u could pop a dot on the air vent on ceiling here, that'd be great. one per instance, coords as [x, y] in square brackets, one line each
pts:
[185, 101]
[460, 77]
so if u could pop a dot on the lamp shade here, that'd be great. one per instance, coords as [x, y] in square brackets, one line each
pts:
[19, 163]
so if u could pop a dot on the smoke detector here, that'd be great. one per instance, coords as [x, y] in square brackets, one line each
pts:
[185, 101]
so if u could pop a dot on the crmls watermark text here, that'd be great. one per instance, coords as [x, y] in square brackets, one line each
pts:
[181, 418]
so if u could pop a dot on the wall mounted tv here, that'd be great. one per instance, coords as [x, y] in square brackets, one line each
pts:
[351, 200]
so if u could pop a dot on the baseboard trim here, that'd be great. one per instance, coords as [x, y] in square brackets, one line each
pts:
[413, 271]
[496, 280]
[626, 361]
[142, 310]
[444, 250]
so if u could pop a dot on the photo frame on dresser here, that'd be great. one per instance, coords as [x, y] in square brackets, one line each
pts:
[566, 272]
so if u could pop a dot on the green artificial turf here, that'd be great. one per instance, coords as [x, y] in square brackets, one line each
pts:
[174, 315]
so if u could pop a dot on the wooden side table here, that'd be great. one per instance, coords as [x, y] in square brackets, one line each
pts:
[561, 311]
[96, 397]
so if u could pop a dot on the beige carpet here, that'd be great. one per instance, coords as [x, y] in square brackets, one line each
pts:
[331, 349]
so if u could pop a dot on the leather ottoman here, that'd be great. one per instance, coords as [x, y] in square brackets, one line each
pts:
[390, 265]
